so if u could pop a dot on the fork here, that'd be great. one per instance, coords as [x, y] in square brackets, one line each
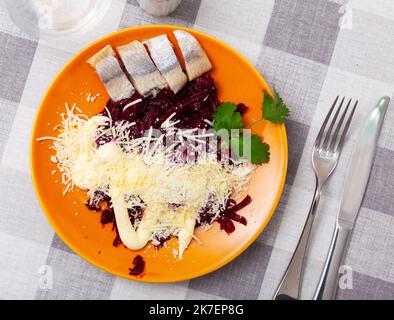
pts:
[325, 156]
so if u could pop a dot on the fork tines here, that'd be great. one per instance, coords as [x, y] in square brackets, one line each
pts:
[332, 139]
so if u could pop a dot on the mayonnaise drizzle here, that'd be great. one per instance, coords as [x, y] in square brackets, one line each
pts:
[131, 177]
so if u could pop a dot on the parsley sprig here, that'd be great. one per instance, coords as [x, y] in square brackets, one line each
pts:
[274, 110]
[227, 118]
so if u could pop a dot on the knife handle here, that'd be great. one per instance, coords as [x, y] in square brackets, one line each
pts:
[327, 286]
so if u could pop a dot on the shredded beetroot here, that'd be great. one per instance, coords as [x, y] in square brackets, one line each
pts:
[238, 218]
[226, 224]
[206, 213]
[193, 104]
[117, 241]
[135, 214]
[234, 208]
[242, 108]
[230, 203]
[227, 216]
[138, 266]
[99, 197]
[162, 240]
[93, 206]
[107, 216]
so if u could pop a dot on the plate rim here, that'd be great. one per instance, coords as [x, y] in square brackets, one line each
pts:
[171, 279]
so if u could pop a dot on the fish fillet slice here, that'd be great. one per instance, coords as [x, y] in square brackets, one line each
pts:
[111, 74]
[163, 55]
[144, 74]
[196, 60]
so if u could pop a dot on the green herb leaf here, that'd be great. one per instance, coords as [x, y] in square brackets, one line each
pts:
[259, 150]
[227, 117]
[274, 110]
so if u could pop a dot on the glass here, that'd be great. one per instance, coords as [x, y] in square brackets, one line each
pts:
[54, 18]
[159, 8]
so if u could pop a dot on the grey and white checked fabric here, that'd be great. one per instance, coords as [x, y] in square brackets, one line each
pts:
[299, 46]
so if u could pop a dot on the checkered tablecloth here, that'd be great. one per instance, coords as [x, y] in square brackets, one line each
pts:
[299, 46]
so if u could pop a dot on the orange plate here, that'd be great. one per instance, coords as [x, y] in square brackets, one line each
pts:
[80, 228]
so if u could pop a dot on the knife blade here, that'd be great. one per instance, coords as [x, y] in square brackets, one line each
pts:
[361, 164]
[355, 184]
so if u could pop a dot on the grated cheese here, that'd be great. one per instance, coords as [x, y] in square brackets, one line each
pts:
[131, 104]
[137, 172]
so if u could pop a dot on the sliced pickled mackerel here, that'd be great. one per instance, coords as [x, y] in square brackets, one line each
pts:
[196, 60]
[144, 74]
[163, 55]
[111, 74]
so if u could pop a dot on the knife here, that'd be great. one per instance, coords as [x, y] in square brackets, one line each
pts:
[355, 183]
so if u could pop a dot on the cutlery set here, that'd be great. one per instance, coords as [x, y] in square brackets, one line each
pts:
[325, 156]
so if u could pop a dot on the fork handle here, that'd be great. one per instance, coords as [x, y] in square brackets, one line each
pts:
[290, 285]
